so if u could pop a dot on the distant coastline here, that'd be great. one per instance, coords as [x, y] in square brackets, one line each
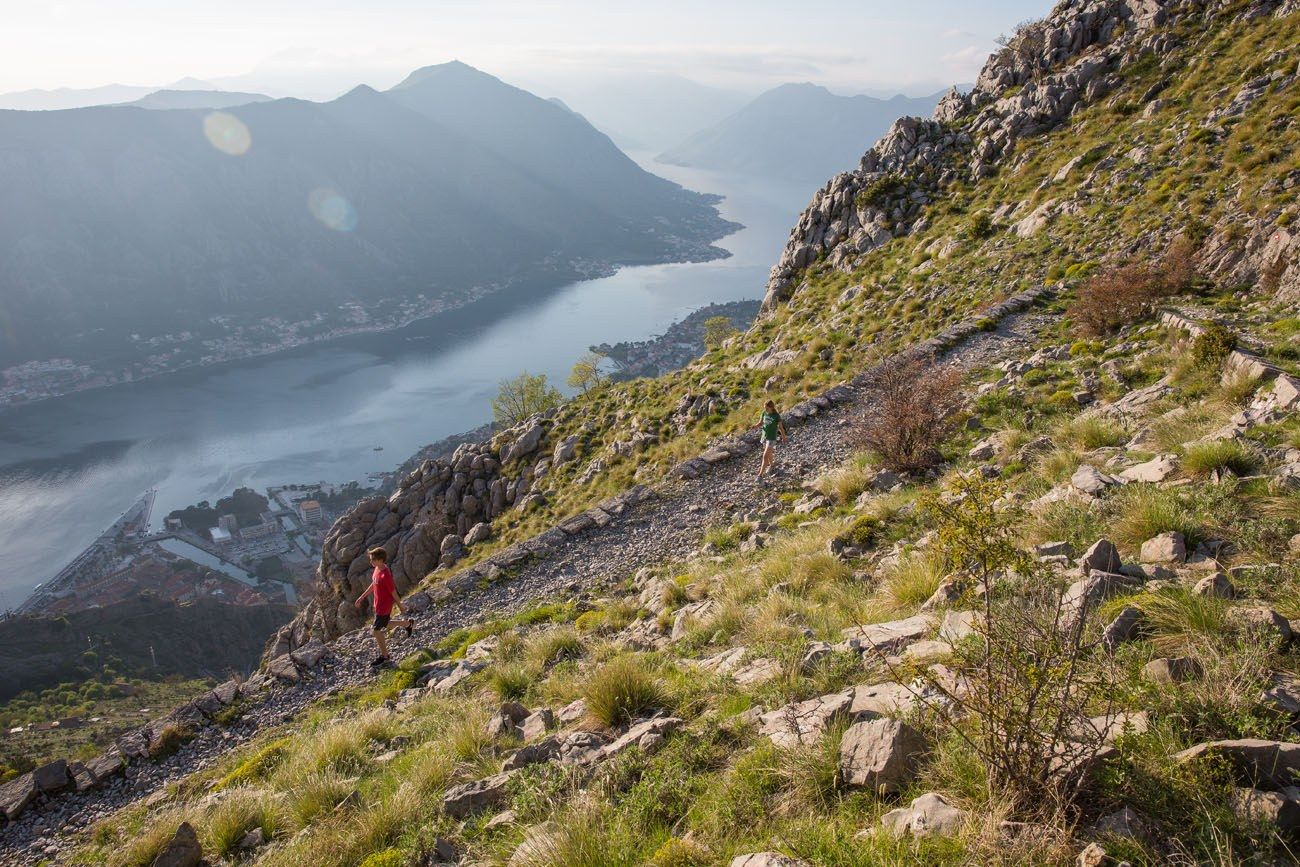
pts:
[59, 377]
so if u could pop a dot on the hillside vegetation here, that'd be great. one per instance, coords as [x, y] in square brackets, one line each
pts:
[1042, 612]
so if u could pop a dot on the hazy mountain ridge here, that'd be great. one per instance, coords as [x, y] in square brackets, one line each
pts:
[119, 220]
[800, 131]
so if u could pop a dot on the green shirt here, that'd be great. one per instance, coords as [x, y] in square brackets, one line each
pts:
[771, 425]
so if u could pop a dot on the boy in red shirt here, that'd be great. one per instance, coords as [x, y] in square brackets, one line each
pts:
[384, 592]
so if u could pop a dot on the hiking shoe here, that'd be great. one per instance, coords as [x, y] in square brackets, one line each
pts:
[378, 661]
[409, 630]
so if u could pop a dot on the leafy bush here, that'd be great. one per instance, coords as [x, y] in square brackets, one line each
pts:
[912, 405]
[1114, 298]
[621, 691]
[981, 226]
[522, 396]
[1213, 345]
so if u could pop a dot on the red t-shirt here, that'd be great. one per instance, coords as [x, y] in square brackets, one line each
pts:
[385, 592]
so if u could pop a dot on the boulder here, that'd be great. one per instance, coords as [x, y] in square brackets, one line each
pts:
[1092, 856]
[183, 850]
[543, 751]
[803, 722]
[1165, 548]
[647, 734]
[17, 794]
[958, 625]
[469, 798]
[480, 532]
[573, 711]
[1103, 556]
[1155, 470]
[927, 816]
[52, 776]
[1123, 628]
[1283, 694]
[456, 677]
[1216, 586]
[881, 699]
[1279, 809]
[1089, 480]
[537, 724]
[890, 637]
[1263, 622]
[880, 754]
[1169, 670]
[1286, 392]
[581, 748]
[310, 654]
[766, 859]
[759, 671]
[1275, 764]
[443, 851]
[1083, 595]
[283, 668]
[983, 451]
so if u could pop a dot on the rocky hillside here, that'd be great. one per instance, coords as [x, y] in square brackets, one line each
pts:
[1023, 591]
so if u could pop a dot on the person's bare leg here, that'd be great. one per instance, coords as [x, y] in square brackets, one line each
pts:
[381, 638]
[766, 461]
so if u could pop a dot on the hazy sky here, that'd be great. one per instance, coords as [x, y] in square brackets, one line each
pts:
[300, 45]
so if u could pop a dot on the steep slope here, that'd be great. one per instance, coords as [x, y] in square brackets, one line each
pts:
[795, 131]
[1017, 643]
[120, 221]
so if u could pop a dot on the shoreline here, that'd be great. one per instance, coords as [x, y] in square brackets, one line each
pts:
[705, 250]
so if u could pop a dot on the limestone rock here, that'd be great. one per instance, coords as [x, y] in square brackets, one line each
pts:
[766, 859]
[1280, 809]
[542, 751]
[880, 754]
[803, 722]
[1283, 694]
[537, 724]
[927, 816]
[1166, 548]
[52, 776]
[283, 668]
[1101, 557]
[469, 798]
[1262, 621]
[1090, 480]
[17, 794]
[1155, 470]
[1123, 628]
[640, 734]
[1216, 586]
[182, 850]
[759, 671]
[1169, 670]
[890, 637]
[1083, 595]
[1092, 856]
[1275, 764]
[958, 625]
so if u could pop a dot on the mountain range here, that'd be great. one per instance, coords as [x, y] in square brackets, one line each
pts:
[796, 132]
[118, 221]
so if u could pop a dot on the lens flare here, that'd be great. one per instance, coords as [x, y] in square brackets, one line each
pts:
[227, 133]
[332, 209]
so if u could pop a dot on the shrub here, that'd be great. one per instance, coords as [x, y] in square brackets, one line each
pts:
[522, 396]
[1212, 345]
[716, 330]
[915, 579]
[170, 739]
[621, 691]
[1145, 512]
[1093, 432]
[1204, 458]
[1114, 298]
[981, 226]
[912, 405]
[1028, 694]
[676, 852]
[256, 765]
[386, 858]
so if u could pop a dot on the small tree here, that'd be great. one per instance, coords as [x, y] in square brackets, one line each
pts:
[522, 396]
[586, 374]
[1028, 680]
[716, 330]
[911, 407]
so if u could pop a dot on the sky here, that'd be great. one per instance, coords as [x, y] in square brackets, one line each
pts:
[318, 48]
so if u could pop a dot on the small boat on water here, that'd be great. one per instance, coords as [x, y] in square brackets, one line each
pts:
[379, 448]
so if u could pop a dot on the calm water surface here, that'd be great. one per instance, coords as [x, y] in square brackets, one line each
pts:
[70, 466]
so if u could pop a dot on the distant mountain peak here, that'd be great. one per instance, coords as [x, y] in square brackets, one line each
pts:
[437, 71]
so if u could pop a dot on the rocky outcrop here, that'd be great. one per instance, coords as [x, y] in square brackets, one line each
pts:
[1049, 70]
[441, 507]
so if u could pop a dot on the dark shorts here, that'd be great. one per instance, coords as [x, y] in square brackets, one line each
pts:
[381, 620]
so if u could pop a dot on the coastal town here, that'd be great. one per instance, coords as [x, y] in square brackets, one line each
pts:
[681, 344]
[261, 556]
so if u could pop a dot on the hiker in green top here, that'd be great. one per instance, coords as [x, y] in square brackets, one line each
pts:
[772, 427]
